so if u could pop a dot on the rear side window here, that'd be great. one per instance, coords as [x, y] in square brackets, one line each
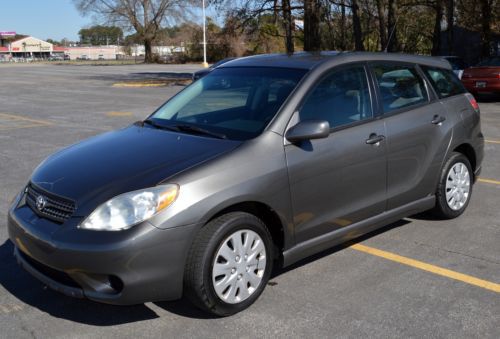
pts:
[400, 86]
[341, 98]
[445, 82]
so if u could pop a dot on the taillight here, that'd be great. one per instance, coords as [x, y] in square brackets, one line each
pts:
[472, 102]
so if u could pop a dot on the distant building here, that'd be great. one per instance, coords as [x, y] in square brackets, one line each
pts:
[33, 48]
[28, 47]
[139, 50]
[93, 52]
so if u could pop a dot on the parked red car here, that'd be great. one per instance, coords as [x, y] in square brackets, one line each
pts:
[484, 77]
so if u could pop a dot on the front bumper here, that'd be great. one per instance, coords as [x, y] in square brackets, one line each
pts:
[128, 267]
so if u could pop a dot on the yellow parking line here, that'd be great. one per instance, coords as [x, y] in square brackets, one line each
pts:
[10, 308]
[119, 114]
[489, 141]
[489, 181]
[13, 117]
[138, 84]
[13, 121]
[428, 267]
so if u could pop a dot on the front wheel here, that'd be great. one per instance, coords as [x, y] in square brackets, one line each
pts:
[229, 264]
[455, 187]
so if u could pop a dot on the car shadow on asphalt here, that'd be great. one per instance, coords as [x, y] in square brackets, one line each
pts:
[488, 98]
[137, 76]
[30, 291]
[279, 271]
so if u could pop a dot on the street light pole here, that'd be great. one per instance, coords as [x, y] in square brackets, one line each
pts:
[205, 64]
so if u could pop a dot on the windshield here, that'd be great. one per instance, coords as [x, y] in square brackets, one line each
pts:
[236, 102]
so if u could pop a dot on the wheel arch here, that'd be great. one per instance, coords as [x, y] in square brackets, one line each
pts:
[467, 150]
[264, 212]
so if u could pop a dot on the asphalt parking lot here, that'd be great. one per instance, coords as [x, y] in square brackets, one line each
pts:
[415, 278]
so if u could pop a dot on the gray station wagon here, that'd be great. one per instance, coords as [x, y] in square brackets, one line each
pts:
[264, 161]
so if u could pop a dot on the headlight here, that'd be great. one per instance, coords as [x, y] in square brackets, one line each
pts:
[129, 209]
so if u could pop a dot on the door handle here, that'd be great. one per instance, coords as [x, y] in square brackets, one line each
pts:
[375, 139]
[438, 119]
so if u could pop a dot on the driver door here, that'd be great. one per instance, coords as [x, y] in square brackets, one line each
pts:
[341, 179]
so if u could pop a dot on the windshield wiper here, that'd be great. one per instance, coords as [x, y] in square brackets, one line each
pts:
[199, 130]
[185, 128]
[159, 126]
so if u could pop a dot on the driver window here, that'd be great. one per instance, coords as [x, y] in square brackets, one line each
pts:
[342, 98]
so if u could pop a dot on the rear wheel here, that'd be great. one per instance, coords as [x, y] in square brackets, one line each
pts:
[229, 264]
[455, 187]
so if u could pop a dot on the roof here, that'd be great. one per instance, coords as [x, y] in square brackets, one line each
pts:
[29, 37]
[59, 49]
[309, 60]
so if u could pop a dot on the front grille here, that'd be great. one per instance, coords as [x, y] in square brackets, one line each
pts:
[56, 208]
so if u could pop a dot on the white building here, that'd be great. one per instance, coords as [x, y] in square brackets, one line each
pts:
[139, 50]
[30, 47]
[93, 52]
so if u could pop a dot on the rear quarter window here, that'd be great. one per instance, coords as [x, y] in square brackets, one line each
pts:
[445, 82]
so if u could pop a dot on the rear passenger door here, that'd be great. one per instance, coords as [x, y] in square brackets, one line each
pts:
[418, 132]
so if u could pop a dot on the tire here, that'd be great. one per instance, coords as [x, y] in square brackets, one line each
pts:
[449, 206]
[238, 286]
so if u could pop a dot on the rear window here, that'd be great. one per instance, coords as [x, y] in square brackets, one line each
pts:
[400, 86]
[445, 82]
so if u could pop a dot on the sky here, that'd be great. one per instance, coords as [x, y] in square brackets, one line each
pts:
[43, 19]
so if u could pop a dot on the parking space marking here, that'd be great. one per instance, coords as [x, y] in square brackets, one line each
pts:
[12, 121]
[489, 181]
[119, 114]
[10, 308]
[137, 84]
[489, 141]
[488, 285]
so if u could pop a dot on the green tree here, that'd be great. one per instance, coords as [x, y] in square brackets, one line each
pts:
[101, 35]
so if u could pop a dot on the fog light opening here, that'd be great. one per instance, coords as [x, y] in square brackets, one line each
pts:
[115, 283]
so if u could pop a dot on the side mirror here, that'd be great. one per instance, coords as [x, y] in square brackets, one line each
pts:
[307, 130]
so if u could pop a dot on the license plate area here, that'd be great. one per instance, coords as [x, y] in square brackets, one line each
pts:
[480, 84]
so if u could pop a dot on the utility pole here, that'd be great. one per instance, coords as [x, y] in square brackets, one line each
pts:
[205, 64]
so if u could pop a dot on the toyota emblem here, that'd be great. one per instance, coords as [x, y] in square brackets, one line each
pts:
[41, 202]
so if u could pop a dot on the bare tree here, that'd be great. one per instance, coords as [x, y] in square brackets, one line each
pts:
[392, 41]
[356, 26]
[450, 20]
[381, 24]
[286, 9]
[312, 37]
[485, 27]
[436, 37]
[146, 17]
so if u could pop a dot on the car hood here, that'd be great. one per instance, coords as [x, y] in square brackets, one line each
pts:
[97, 169]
